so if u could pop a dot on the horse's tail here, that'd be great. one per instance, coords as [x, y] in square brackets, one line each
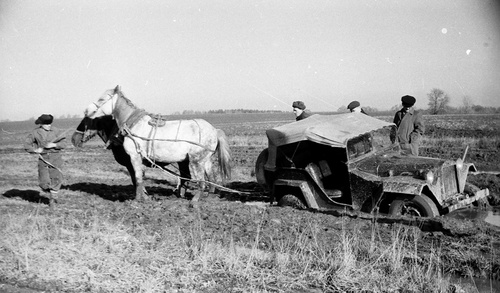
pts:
[224, 155]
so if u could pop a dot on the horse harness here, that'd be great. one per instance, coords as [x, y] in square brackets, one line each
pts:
[155, 122]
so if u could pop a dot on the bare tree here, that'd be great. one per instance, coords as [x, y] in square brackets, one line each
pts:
[395, 108]
[467, 105]
[342, 109]
[438, 101]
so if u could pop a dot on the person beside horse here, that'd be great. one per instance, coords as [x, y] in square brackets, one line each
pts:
[47, 142]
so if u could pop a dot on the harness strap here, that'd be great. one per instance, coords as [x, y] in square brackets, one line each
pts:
[126, 131]
[152, 135]
[178, 128]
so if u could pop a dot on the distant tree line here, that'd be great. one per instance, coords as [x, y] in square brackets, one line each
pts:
[224, 111]
[438, 103]
[241, 111]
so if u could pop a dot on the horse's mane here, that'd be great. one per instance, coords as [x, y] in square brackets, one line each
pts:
[129, 102]
[110, 92]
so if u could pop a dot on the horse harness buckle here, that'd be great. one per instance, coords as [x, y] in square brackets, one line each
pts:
[157, 121]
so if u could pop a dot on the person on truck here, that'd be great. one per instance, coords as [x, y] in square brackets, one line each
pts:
[355, 107]
[299, 109]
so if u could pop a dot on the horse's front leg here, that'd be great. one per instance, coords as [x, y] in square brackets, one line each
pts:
[140, 191]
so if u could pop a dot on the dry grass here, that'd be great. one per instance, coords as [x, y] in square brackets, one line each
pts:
[489, 143]
[85, 249]
[90, 252]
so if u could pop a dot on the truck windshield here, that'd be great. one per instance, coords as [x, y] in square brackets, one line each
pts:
[375, 141]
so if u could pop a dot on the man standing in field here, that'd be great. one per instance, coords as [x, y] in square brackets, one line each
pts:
[410, 126]
[47, 142]
[299, 109]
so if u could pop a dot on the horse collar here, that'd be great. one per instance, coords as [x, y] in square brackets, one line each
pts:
[133, 118]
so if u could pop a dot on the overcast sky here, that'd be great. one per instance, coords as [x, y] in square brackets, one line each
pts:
[58, 56]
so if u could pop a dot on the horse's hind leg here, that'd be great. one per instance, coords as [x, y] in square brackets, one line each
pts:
[210, 175]
[184, 173]
[198, 174]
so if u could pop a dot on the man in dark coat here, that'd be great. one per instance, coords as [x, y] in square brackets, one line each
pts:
[299, 109]
[47, 142]
[410, 126]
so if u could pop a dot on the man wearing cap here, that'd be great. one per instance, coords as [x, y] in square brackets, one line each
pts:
[410, 126]
[47, 142]
[355, 107]
[299, 109]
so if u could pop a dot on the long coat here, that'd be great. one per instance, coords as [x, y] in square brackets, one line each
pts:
[50, 160]
[410, 129]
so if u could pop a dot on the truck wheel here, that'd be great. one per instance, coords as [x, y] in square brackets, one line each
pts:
[260, 173]
[418, 206]
[291, 200]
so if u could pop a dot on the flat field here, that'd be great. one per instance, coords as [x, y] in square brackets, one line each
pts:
[98, 240]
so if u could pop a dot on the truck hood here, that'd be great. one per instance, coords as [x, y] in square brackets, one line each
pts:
[394, 164]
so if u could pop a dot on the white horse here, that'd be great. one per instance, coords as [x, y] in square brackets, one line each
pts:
[150, 138]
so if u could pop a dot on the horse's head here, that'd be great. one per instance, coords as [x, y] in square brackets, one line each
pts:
[83, 132]
[104, 105]
[105, 127]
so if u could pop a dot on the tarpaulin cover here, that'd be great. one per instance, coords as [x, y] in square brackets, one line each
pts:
[333, 130]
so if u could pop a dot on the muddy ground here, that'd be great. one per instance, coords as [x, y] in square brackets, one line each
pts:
[94, 179]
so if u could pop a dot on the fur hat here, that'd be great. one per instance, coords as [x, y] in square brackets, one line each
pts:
[45, 119]
[299, 104]
[353, 105]
[408, 101]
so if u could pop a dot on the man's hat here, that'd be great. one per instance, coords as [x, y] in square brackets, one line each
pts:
[408, 101]
[353, 105]
[299, 104]
[45, 119]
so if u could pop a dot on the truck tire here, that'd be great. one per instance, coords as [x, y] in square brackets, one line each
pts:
[260, 173]
[419, 206]
[290, 200]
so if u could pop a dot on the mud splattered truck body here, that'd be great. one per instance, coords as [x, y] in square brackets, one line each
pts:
[353, 161]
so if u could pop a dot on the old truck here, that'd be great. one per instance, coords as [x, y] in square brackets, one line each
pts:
[352, 161]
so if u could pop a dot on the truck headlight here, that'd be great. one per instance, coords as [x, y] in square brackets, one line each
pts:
[429, 177]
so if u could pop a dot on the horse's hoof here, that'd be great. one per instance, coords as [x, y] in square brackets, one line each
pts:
[142, 198]
[180, 193]
[194, 204]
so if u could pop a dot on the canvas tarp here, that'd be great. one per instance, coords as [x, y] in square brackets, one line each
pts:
[333, 130]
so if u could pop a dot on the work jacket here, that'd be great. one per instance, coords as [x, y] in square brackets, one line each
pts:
[304, 115]
[410, 126]
[40, 137]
